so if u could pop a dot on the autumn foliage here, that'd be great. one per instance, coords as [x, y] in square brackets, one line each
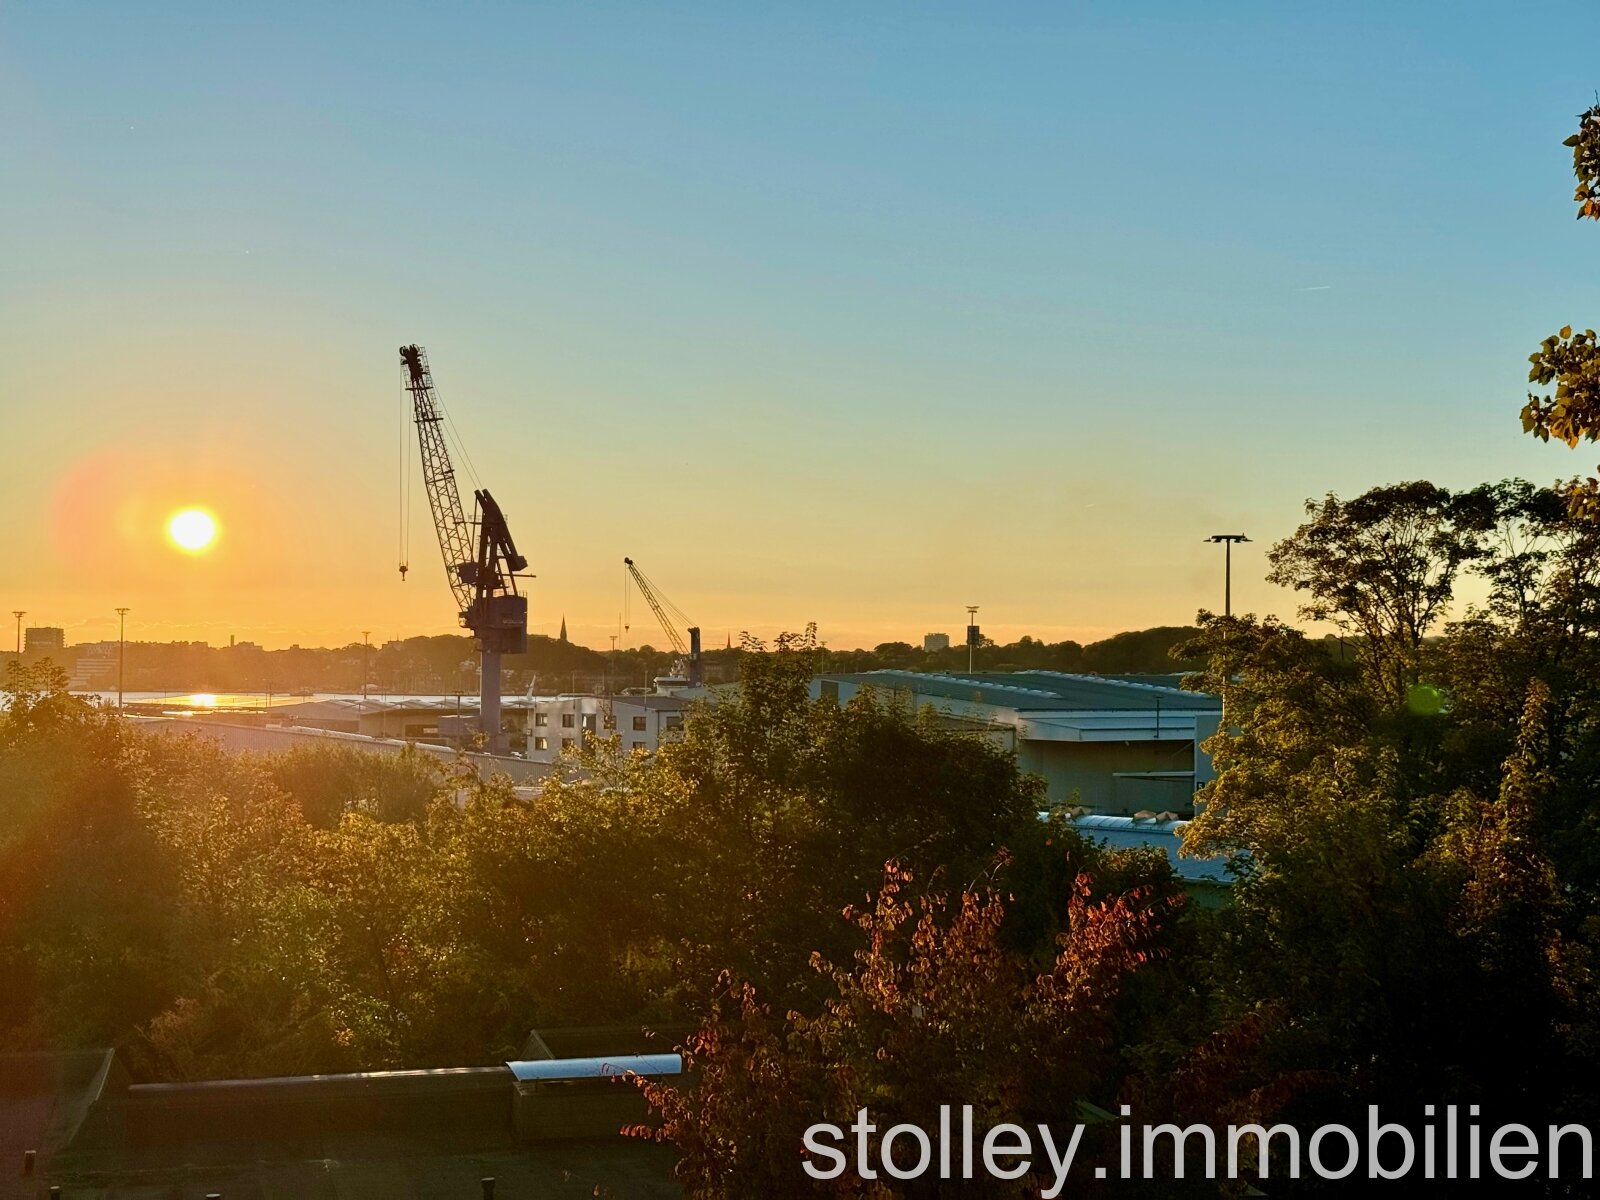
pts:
[933, 1010]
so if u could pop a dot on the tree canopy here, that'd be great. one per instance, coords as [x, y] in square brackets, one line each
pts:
[1570, 358]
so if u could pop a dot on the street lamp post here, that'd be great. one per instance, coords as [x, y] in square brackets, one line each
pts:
[1227, 540]
[19, 614]
[122, 645]
[972, 634]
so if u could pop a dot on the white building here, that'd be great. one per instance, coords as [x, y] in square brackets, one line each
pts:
[555, 723]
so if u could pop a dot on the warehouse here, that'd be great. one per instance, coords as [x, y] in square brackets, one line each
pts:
[1112, 744]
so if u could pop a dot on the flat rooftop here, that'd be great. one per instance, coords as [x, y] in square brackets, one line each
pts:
[390, 1135]
[1041, 691]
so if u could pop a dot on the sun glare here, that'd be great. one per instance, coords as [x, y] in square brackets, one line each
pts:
[192, 530]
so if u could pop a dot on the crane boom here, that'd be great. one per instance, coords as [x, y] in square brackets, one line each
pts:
[439, 475]
[482, 570]
[689, 653]
[649, 594]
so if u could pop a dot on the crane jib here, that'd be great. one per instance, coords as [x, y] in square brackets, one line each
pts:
[689, 656]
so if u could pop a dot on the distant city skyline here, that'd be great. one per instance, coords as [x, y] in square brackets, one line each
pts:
[821, 313]
[84, 634]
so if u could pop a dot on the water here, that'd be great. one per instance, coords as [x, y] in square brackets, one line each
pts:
[256, 701]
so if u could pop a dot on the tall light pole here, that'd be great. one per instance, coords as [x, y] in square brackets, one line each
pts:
[122, 645]
[19, 614]
[366, 649]
[972, 634]
[1227, 540]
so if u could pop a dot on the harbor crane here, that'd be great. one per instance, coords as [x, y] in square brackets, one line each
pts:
[480, 559]
[691, 668]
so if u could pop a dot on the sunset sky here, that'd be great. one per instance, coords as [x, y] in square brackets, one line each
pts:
[837, 312]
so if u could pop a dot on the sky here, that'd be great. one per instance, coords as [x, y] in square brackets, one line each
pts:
[854, 314]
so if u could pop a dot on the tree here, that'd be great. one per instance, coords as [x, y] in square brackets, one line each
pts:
[1385, 875]
[774, 810]
[330, 781]
[85, 889]
[933, 1010]
[1139, 650]
[1382, 567]
[1571, 360]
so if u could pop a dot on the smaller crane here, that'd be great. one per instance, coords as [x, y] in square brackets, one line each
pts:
[690, 666]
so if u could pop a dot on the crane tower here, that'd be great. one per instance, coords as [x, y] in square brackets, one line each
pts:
[481, 561]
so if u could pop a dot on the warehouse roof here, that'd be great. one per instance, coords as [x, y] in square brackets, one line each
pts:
[1124, 833]
[1039, 691]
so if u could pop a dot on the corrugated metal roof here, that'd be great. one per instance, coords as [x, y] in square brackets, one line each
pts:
[1040, 691]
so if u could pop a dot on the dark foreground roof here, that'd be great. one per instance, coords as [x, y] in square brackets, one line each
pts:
[398, 1135]
[44, 1101]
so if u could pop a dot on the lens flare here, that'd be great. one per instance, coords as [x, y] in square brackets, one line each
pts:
[192, 530]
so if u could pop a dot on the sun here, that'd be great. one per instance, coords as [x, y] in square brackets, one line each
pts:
[192, 530]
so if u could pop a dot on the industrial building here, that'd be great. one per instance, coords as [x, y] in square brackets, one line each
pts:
[539, 728]
[554, 723]
[94, 666]
[1111, 744]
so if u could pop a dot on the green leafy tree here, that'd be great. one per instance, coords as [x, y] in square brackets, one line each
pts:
[1381, 882]
[1382, 567]
[1571, 359]
[330, 781]
[84, 886]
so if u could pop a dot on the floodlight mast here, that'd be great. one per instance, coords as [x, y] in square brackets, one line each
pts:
[1228, 540]
[482, 571]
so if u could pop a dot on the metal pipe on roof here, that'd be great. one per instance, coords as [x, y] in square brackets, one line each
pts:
[551, 1069]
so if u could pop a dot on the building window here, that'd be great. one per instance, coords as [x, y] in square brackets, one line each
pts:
[565, 742]
[541, 718]
[640, 746]
[640, 725]
[566, 721]
[588, 722]
[541, 743]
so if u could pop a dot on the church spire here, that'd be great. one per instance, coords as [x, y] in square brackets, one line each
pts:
[563, 627]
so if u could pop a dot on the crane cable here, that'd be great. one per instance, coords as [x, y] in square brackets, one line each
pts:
[650, 591]
[456, 440]
[405, 484]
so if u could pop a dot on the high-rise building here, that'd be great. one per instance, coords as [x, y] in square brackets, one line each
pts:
[935, 641]
[43, 639]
